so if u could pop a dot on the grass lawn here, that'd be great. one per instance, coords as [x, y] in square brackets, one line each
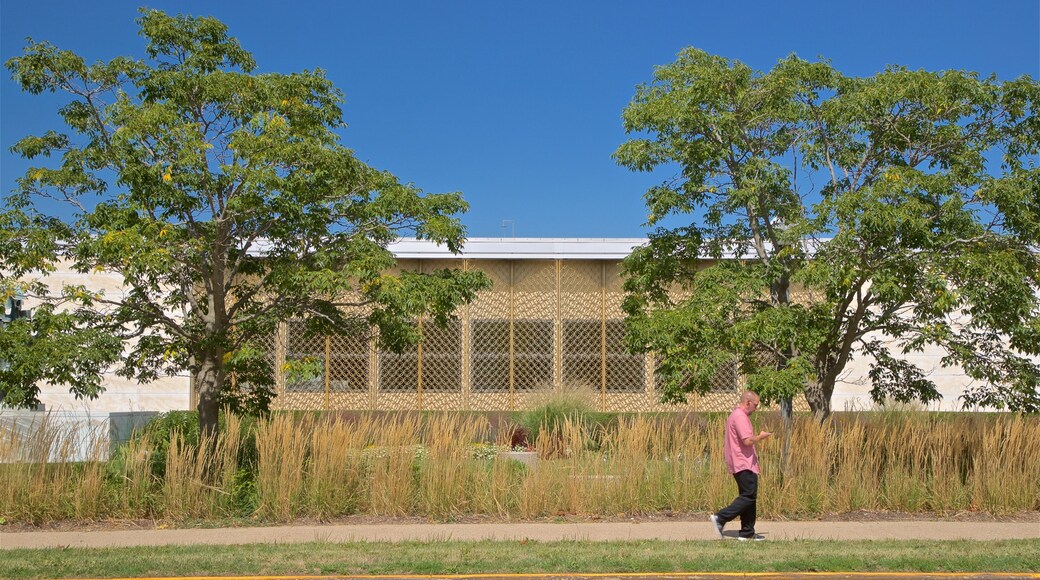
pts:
[324, 558]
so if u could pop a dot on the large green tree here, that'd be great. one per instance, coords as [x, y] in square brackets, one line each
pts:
[225, 200]
[811, 217]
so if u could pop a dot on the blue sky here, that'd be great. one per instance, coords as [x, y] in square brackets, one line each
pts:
[517, 105]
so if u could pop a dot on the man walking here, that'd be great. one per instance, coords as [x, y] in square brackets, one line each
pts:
[742, 461]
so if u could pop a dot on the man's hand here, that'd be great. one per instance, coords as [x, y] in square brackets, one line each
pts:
[764, 435]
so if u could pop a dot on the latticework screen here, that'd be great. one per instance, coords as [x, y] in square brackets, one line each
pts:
[545, 325]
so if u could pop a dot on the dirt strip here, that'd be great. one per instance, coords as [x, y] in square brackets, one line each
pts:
[652, 576]
[546, 532]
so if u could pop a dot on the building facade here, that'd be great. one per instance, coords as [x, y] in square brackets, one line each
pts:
[552, 321]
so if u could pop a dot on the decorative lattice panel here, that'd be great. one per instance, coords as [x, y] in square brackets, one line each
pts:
[488, 320]
[544, 326]
[490, 355]
[496, 301]
[582, 308]
[626, 372]
[534, 308]
[582, 347]
[441, 357]
[532, 355]
[348, 364]
[519, 349]
[428, 375]
[324, 371]
[399, 372]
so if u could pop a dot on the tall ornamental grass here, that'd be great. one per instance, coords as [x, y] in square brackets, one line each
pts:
[447, 466]
[52, 471]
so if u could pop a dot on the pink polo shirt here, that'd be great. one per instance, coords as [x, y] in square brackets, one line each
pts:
[739, 457]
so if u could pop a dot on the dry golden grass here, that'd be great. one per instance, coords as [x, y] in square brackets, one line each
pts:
[1005, 471]
[415, 464]
[53, 471]
[281, 446]
[336, 478]
[133, 481]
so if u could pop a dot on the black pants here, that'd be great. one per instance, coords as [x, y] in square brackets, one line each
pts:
[744, 504]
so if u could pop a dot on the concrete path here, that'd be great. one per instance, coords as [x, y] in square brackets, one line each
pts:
[683, 530]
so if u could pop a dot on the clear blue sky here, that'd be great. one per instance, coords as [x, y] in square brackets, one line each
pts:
[517, 104]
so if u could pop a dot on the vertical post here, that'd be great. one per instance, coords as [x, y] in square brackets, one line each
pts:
[558, 330]
[418, 358]
[373, 373]
[280, 335]
[466, 348]
[512, 313]
[419, 366]
[603, 336]
[328, 369]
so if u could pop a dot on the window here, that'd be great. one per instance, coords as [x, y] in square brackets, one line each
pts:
[584, 344]
[727, 378]
[306, 354]
[442, 357]
[441, 362]
[347, 361]
[348, 364]
[532, 354]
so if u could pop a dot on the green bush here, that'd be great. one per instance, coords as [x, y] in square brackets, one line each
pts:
[159, 431]
[551, 413]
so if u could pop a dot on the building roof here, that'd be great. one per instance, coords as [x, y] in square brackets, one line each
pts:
[528, 249]
[522, 249]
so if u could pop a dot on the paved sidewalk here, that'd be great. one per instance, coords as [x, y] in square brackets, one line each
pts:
[683, 530]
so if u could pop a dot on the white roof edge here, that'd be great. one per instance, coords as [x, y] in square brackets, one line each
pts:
[522, 248]
[528, 249]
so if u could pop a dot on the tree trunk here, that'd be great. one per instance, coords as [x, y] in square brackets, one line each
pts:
[787, 411]
[781, 294]
[787, 417]
[818, 395]
[209, 378]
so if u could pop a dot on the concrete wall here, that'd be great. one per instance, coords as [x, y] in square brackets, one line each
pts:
[165, 394]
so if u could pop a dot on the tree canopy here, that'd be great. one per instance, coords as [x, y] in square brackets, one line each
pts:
[225, 200]
[815, 217]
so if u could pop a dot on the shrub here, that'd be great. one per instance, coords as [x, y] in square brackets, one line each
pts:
[159, 431]
[553, 409]
[520, 438]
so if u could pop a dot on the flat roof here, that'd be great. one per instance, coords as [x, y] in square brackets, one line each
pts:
[522, 249]
[529, 249]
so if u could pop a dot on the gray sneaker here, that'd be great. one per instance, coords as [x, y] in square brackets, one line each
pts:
[755, 538]
[718, 525]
